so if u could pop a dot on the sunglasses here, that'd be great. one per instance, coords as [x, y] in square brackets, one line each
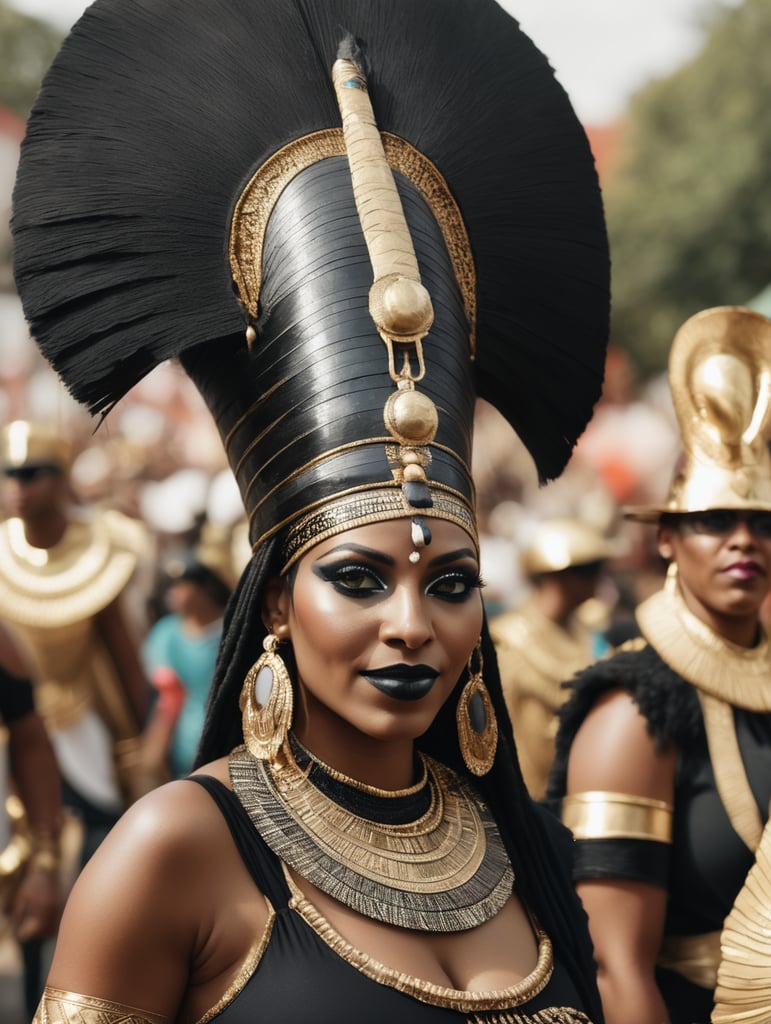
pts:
[586, 570]
[26, 474]
[720, 522]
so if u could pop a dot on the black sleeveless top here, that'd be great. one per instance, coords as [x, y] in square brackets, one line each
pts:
[300, 969]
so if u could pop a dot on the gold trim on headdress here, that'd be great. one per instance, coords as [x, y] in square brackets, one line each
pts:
[370, 504]
[398, 302]
[720, 379]
[256, 202]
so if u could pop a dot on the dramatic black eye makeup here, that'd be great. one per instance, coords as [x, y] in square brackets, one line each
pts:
[354, 579]
[455, 585]
[358, 579]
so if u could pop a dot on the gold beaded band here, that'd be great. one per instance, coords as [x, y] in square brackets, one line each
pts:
[371, 505]
[604, 815]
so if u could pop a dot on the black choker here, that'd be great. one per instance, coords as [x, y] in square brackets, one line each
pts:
[388, 808]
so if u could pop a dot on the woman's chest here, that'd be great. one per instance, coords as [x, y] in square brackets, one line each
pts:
[307, 967]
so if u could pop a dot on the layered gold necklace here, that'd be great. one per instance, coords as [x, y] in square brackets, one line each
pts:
[444, 870]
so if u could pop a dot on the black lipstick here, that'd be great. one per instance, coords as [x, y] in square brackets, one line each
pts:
[403, 682]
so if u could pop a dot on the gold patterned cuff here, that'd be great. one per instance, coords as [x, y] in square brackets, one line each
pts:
[603, 815]
[59, 1007]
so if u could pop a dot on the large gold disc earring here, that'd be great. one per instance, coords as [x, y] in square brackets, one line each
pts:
[266, 703]
[475, 715]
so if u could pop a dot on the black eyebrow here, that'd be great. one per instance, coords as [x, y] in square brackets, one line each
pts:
[379, 556]
[453, 556]
[359, 549]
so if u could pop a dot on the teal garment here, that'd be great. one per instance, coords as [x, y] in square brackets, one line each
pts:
[193, 660]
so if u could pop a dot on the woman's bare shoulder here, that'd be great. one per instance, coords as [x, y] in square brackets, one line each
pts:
[172, 814]
[167, 836]
[614, 750]
[154, 900]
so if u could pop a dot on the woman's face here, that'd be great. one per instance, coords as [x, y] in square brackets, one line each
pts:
[379, 641]
[723, 560]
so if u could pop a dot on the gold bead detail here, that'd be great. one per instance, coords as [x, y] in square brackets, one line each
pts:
[413, 472]
[411, 417]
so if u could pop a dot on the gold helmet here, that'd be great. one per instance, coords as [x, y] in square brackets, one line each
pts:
[720, 378]
[24, 444]
[559, 544]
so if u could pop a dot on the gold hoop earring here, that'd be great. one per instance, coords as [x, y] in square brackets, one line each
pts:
[670, 584]
[475, 715]
[266, 703]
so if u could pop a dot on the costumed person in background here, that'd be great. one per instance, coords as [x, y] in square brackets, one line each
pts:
[358, 839]
[664, 750]
[556, 632]
[30, 893]
[180, 651]
[62, 572]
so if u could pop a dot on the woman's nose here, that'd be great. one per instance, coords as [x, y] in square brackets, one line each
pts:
[742, 535]
[406, 619]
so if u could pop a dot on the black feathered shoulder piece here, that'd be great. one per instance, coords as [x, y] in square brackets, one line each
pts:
[669, 703]
[346, 219]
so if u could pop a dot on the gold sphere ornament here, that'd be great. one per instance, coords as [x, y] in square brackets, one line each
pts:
[406, 308]
[411, 417]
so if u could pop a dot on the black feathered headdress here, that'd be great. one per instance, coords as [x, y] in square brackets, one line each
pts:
[185, 176]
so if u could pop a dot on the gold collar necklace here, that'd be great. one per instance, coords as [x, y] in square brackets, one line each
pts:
[737, 675]
[445, 870]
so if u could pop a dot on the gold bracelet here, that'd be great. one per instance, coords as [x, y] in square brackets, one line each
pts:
[44, 860]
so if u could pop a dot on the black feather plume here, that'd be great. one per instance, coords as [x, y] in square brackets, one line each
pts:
[156, 113]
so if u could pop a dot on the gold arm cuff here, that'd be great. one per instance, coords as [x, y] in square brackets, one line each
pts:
[601, 815]
[695, 957]
[59, 1007]
[44, 860]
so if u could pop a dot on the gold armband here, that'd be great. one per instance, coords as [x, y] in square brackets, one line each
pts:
[696, 957]
[45, 854]
[58, 1007]
[601, 815]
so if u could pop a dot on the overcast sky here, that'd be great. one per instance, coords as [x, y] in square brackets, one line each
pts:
[601, 50]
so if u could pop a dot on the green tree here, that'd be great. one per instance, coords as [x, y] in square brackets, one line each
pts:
[689, 207]
[27, 47]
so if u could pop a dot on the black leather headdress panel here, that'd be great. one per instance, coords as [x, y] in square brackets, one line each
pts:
[302, 413]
